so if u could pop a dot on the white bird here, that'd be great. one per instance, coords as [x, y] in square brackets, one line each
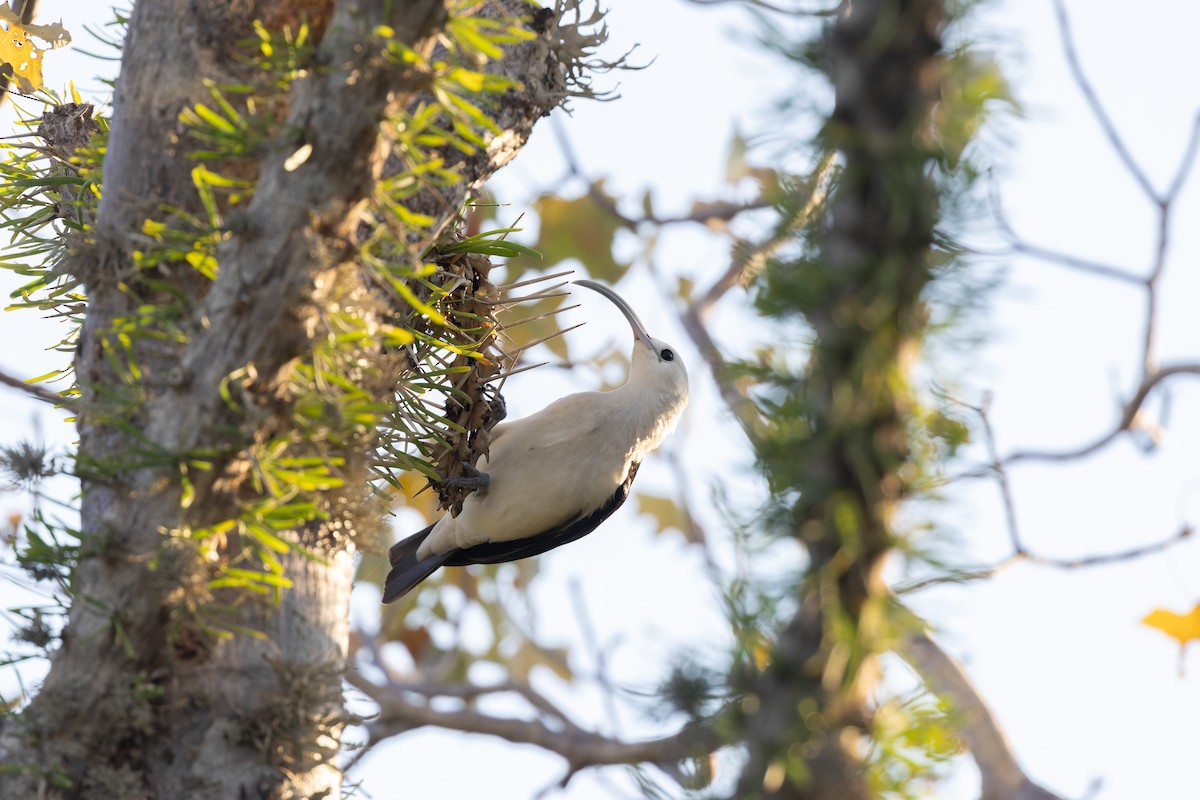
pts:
[556, 475]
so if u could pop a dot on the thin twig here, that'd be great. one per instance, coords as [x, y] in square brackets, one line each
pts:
[1097, 108]
[588, 631]
[957, 576]
[1163, 202]
[1113, 558]
[1081, 562]
[1006, 494]
[1127, 421]
[33, 390]
[580, 748]
[1050, 256]
[1019, 245]
[701, 215]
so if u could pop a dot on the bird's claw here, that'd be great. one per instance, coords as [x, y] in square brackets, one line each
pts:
[497, 411]
[471, 479]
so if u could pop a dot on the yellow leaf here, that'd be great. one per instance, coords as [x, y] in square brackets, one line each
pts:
[1183, 627]
[761, 651]
[53, 34]
[22, 56]
[667, 514]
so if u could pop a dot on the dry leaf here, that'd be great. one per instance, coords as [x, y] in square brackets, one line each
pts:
[23, 57]
[19, 54]
[53, 34]
[665, 511]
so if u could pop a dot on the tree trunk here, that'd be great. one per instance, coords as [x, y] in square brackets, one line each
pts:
[808, 712]
[141, 700]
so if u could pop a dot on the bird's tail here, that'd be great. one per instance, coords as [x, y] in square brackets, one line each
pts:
[407, 569]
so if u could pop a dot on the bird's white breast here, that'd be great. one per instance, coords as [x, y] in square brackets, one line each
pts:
[546, 469]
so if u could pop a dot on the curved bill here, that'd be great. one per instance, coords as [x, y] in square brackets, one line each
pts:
[639, 330]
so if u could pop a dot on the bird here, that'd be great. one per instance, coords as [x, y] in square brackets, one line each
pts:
[554, 476]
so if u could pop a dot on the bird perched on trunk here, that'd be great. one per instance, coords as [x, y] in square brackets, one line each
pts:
[554, 476]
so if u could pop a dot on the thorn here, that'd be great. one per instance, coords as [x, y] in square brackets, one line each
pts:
[554, 335]
[510, 325]
[516, 371]
[543, 294]
[507, 286]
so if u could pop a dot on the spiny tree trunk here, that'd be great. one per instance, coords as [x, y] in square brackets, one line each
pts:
[141, 701]
[862, 295]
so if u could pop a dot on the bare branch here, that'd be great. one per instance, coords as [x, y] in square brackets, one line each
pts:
[1097, 108]
[1006, 495]
[588, 631]
[1185, 163]
[1019, 245]
[1001, 775]
[1163, 202]
[580, 748]
[957, 576]
[732, 391]
[706, 214]
[473, 691]
[1129, 415]
[1074, 262]
[1112, 558]
[1102, 559]
[33, 390]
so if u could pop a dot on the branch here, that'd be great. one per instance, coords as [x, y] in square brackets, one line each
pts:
[702, 214]
[1019, 245]
[578, 747]
[997, 468]
[1006, 495]
[967, 575]
[1185, 163]
[1127, 422]
[749, 260]
[1097, 108]
[33, 390]
[1163, 202]
[588, 631]
[1001, 775]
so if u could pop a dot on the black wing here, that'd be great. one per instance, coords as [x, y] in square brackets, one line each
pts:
[499, 552]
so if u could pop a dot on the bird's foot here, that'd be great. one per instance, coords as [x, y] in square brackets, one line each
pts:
[471, 478]
[497, 411]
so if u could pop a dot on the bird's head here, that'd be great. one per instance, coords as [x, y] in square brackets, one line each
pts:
[654, 364]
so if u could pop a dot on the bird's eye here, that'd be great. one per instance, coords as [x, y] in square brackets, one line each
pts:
[667, 355]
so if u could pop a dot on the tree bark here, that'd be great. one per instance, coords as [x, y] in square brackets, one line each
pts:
[140, 701]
